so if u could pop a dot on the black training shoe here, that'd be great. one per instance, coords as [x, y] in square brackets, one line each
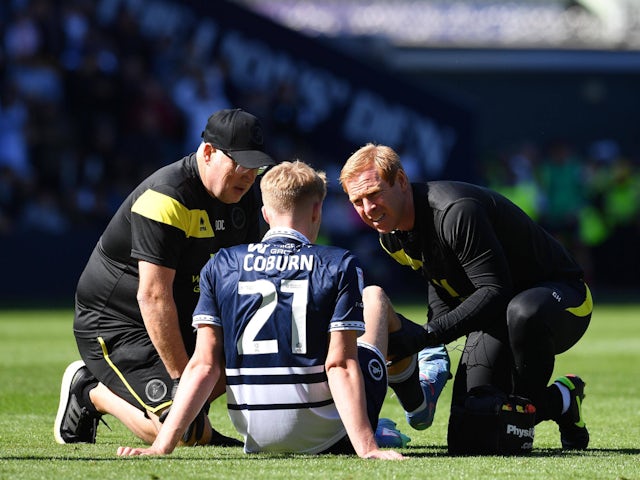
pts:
[220, 440]
[75, 421]
[573, 431]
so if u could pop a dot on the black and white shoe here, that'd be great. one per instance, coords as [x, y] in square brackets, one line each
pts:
[76, 422]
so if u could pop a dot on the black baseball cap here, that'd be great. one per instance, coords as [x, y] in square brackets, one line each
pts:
[239, 135]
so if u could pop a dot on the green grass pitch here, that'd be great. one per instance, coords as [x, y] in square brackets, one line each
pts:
[36, 346]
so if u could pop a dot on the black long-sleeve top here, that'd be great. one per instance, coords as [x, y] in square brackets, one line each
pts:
[477, 250]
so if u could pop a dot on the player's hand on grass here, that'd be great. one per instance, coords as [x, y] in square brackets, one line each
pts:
[384, 455]
[131, 452]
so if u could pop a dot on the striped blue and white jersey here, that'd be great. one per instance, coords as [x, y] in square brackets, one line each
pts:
[277, 301]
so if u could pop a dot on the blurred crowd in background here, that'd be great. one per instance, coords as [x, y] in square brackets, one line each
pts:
[87, 109]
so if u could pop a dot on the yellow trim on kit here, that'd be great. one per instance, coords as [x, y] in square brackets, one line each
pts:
[402, 258]
[445, 284]
[105, 353]
[587, 306]
[162, 208]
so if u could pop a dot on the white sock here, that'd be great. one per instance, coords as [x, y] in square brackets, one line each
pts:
[566, 397]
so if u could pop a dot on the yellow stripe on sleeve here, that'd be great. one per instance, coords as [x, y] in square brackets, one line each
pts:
[164, 209]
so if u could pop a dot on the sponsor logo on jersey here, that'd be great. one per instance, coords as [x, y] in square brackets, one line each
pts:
[281, 263]
[219, 225]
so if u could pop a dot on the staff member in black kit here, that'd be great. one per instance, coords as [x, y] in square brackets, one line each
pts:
[493, 276]
[135, 298]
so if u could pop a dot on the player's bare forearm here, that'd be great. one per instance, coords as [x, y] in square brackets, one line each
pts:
[197, 380]
[162, 325]
[160, 315]
[347, 389]
[166, 440]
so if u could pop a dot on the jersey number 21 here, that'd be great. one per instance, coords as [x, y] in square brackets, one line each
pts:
[247, 343]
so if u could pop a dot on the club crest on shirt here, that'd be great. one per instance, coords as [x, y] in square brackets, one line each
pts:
[238, 217]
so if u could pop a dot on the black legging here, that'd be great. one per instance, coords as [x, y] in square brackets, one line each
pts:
[518, 355]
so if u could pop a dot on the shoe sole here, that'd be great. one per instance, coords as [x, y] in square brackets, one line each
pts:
[67, 378]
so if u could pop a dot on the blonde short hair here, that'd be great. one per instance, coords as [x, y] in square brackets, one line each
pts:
[292, 183]
[385, 159]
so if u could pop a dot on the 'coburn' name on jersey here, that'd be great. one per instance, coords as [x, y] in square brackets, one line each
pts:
[260, 263]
